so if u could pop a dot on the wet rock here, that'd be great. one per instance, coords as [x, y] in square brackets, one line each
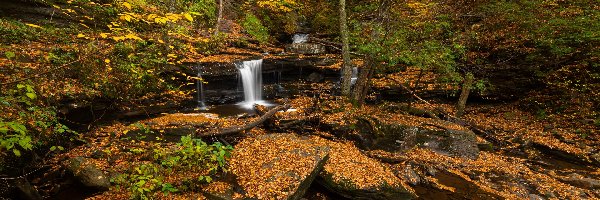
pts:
[305, 48]
[280, 166]
[453, 142]
[399, 137]
[88, 174]
[26, 191]
[582, 181]
[315, 77]
[411, 176]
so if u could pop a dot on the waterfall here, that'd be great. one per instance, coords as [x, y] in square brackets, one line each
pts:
[251, 76]
[354, 75]
[300, 38]
[200, 90]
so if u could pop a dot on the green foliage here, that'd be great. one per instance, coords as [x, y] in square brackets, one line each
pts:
[33, 123]
[190, 155]
[206, 9]
[143, 181]
[194, 153]
[255, 28]
[10, 55]
[13, 32]
[214, 44]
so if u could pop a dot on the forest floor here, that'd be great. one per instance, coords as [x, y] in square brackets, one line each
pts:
[529, 156]
[520, 153]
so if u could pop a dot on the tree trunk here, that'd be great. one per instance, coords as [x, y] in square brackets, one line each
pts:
[362, 84]
[219, 17]
[464, 94]
[346, 67]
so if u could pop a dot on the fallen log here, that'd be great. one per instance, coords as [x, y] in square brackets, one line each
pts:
[238, 129]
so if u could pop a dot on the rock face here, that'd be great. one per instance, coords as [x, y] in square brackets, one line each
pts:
[354, 175]
[26, 190]
[398, 137]
[305, 48]
[88, 174]
[582, 181]
[279, 166]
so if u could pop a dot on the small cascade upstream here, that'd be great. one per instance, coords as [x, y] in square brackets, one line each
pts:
[354, 75]
[300, 38]
[200, 91]
[251, 78]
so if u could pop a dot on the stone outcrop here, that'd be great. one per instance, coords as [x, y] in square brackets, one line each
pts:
[280, 166]
[88, 174]
[305, 48]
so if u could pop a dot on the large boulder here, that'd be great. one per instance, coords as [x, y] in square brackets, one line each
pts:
[88, 174]
[352, 174]
[442, 138]
[277, 166]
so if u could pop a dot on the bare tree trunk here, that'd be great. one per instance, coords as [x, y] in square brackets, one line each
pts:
[464, 94]
[362, 84]
[219, 17]
[346, 67]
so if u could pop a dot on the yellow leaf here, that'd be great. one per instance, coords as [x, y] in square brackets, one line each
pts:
[188, 17]
[103, 35]
[80, 35]
[126, 17]
[107, 60]
[33, 25]
[161, 41]
[127, 5]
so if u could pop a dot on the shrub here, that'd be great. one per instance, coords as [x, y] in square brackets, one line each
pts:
[254, 27]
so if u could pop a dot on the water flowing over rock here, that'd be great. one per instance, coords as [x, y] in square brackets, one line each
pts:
[300, 38]
[251, 77]
[305, 48]
[200, 90]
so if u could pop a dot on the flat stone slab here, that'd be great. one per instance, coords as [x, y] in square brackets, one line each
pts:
[277, 166]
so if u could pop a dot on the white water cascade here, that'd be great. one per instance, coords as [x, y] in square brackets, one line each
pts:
[200, 90]
[300, 38]
[251, 76]
[354, 75]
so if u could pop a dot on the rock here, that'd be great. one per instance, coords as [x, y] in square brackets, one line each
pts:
[353, 175]
[596, 158]
[535, 197]
[26, 191]
[88, 174]
[280, 166]
[582, 181]
[305, 48]
[315, 77]
[219, 190]
[98, 154]
[400, 137]
[411, 176]
[454, 142]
